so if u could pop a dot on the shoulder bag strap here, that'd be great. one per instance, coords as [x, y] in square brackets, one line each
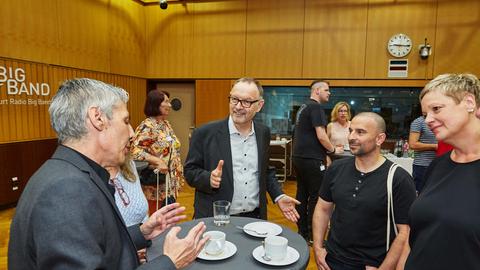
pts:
[390, 212]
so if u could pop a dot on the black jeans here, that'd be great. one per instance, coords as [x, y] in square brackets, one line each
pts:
[418, 174]
[335, 264]
[253, 214]
[309, 180]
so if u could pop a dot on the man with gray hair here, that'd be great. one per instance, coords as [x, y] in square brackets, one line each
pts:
[355, 191]
[66, 217]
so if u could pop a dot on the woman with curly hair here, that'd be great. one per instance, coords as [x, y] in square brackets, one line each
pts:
[156, 142]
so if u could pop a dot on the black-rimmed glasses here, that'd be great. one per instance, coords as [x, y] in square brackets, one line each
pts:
[121, 192]
[244, 103]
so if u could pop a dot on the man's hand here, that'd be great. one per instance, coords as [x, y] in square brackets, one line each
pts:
[183, 252]
[287, 205]
[216, 175]
[320, 254]
[161, 220]
[339, 149]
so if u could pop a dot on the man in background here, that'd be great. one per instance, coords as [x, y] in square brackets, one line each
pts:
[228, 160]
[66, 217]
[310, 148]
[355, 191]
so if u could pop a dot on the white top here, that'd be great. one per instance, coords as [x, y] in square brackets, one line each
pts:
[136, 211]
[246, 187]
[339, 134]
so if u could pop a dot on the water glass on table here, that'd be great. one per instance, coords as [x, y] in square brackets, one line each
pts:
[221, 213]
[275, 248]
[216, 244]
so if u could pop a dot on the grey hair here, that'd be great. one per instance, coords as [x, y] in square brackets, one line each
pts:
[251, 80]
[454, 86]
[69, 107]
[379, 121]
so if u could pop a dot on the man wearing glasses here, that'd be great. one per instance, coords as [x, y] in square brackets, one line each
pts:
[228, 160]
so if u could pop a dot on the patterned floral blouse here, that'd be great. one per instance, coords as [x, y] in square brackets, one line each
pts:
[155, 137]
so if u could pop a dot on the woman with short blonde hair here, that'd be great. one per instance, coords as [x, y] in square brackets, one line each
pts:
[444, 220]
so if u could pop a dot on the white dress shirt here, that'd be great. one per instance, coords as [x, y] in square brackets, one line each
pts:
[246, 186]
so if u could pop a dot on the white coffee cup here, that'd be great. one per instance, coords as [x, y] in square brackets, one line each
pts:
[276, 247]
[216, 244]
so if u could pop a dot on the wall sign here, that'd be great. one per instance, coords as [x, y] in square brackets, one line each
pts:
[398, 68]
[13, 82]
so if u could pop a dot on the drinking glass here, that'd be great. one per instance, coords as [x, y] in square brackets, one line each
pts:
[221, 213]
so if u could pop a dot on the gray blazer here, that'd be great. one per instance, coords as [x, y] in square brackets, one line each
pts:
[67, 219]
[211, 143]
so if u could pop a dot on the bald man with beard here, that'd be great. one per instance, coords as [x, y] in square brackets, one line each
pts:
[353, 198]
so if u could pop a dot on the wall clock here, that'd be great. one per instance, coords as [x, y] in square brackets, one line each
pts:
[399, 45]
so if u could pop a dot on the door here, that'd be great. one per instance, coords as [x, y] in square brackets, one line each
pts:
[183, 118]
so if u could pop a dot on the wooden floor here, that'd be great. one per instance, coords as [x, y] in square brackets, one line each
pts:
[185, 198]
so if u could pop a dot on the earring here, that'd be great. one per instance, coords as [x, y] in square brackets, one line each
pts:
[470, 110]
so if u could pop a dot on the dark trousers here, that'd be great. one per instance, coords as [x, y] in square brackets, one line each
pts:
[335, 264]
[253, 214]
[309, 180]
[418, 173]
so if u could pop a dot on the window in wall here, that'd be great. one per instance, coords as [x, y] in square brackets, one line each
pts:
[397, 105]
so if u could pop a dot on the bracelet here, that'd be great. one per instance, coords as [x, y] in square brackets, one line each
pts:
[331, 152]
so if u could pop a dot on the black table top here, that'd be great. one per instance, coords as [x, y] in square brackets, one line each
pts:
[243, 258]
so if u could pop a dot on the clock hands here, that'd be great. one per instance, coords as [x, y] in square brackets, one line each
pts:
[399, 45]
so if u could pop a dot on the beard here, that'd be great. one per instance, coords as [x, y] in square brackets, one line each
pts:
[359, 150]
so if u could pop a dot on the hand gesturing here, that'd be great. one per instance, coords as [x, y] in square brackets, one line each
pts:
[216, 175]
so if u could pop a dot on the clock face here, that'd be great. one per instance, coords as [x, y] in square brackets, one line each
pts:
[399, 45]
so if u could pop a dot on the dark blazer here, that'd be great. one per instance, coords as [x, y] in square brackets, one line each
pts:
[67, 219]
[211, 143]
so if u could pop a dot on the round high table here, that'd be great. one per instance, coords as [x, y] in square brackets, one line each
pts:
[243, 258]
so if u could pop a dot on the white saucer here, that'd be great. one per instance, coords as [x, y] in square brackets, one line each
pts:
[262, 226]
[228, 252]
[292, 256]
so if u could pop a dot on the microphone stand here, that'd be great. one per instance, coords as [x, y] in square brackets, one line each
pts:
[167, 178]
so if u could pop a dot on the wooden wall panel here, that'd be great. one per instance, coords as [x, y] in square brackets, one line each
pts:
[21, 160]
[137, 88]
[232, 38]
[127, 38]
[349, 83]
[83, 34]
[457, 43]
[275, 38]
[28, 30]
[23, 122]
[211, 100]
[335, 38]
[169, 39]
[219, 39]
[415, 18]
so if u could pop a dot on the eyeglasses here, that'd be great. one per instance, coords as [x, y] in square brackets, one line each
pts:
[245, 103]
[167, 104]
[119, 188]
